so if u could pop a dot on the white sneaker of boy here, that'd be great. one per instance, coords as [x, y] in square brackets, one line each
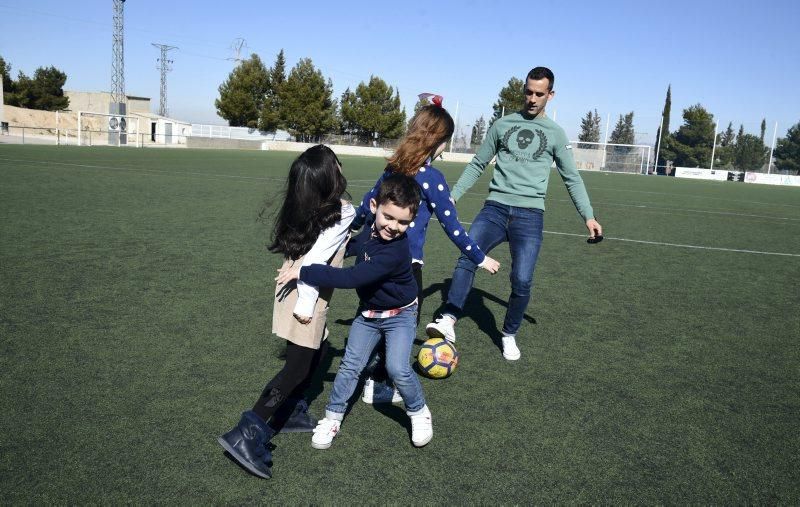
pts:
[442, 328]
[510, 349]
[324, 432]
[421, 427]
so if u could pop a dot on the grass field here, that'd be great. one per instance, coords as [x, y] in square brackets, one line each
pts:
[659, 366]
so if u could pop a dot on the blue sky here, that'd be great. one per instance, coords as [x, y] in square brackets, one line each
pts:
[737, 58]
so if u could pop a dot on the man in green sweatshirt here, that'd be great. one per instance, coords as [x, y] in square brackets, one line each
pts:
[526, 144]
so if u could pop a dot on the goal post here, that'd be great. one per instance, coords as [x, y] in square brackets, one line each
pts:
[621, 158]
[90, 123]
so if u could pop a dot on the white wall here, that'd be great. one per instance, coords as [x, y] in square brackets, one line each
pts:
[364, 151]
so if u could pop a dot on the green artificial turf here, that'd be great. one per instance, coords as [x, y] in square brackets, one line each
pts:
[135, 306]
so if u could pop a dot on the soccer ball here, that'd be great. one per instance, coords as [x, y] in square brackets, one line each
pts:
[437, 358]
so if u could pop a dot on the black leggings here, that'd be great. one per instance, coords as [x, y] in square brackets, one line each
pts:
[293, 380]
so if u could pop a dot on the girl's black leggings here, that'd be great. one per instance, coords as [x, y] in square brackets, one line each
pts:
[293, 379]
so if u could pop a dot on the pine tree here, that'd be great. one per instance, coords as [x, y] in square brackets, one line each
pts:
[307, 108]
[590, 130]
[725, 146]
[242, 95]
[787, 151]
[691, 144]
[662, 133]
[478, 131]
[750, 154]
[270, 117]
[373, 111]
[510, 99]
[763, 129]
[623, 132]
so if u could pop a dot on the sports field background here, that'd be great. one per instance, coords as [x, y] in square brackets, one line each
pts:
[135, 307]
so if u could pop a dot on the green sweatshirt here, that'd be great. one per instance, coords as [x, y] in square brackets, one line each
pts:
[526, 150]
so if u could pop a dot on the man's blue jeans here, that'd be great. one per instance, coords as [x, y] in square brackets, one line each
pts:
[399, 332]
[496, 223]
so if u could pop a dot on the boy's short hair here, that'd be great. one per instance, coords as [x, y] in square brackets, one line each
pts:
[400, 190]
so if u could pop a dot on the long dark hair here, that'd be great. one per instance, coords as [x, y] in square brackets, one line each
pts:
[312, 202]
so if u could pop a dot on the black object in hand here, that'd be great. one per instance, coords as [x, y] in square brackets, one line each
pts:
[594, 240]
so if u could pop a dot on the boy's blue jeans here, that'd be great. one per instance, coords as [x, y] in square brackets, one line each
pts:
[496, 223]
[399, 332]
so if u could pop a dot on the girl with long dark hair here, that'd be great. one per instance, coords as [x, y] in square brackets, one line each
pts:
[311, 227]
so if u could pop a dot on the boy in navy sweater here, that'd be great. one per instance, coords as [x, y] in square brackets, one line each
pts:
[387, 290]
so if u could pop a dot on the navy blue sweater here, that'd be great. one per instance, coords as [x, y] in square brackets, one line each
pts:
[382, 273]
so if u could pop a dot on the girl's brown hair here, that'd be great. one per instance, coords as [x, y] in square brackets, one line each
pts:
[431, 126]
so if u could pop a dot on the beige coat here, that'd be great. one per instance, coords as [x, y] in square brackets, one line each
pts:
[283, 322]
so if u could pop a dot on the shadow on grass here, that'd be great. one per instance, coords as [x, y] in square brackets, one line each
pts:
[475, 308]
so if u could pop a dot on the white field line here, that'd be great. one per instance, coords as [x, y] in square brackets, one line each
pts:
[688, 195]
[677, 245]
[368, 185]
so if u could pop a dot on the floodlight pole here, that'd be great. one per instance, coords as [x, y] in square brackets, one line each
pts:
[772, 149]
[714, 147]
[454, 130]
[605, 143]
[658, 145]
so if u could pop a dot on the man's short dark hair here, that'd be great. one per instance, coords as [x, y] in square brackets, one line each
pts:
[400, 190]
[538, 73]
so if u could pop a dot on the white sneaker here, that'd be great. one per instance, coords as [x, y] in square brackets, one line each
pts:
[324, 432]
[510, 349]
[421, 427]
[379, 392]
[442, 328]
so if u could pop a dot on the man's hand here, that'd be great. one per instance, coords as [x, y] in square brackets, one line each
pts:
[595, 229]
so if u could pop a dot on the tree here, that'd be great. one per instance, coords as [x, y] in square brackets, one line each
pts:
[373, 111]
[623, 132]
[242, 95]
[728, 137]
[590, 130]
[662, 133]
[48, 85]
[763, 129]
[478, 131]
[510, 99]
[691, 144]
[44, 91]
[307, 107]
[270, 117]
[749, 154]
[5, 75]
[723, 157]
[787, 151]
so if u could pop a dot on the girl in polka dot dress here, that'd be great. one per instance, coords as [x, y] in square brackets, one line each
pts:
[425, 140]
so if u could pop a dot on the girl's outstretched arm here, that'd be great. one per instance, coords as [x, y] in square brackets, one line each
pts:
[438, 194]
[326, 245]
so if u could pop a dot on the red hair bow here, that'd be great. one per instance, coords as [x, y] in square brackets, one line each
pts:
[434, 99]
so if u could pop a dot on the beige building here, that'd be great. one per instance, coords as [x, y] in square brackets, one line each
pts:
[97, 102]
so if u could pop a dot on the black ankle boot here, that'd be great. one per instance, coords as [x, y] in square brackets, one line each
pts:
[247, 443]
[293, 417]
